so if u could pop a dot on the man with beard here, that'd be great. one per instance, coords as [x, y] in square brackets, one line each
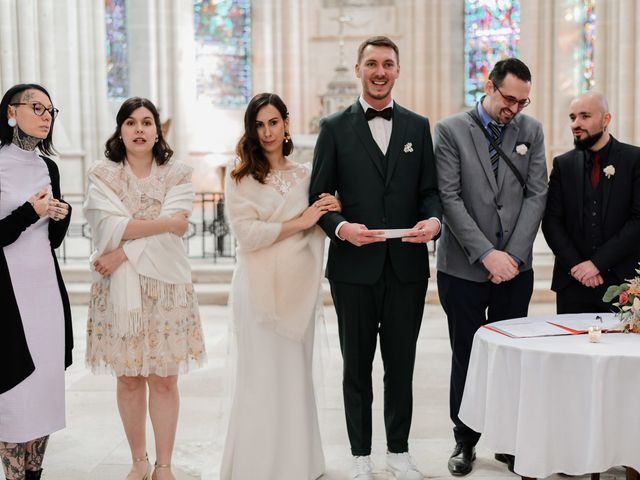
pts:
[378, 157]
[492, 176]
[592, 220]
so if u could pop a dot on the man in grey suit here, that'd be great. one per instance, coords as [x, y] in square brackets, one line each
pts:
[492, 178]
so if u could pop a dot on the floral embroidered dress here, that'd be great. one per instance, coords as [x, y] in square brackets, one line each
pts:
[170, 340]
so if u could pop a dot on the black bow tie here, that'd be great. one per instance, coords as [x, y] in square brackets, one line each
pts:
[387, 113]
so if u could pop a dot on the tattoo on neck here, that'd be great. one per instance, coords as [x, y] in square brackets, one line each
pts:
[25, 141]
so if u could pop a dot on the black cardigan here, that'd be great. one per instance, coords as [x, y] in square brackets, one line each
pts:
[15, 358]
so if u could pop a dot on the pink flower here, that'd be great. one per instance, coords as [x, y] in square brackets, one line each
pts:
[624, 297]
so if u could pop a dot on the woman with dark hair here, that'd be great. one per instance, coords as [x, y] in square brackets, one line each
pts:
[143, 324]
[275, 296]
[35, 332]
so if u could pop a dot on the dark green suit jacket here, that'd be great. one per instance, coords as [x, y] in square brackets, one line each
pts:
[381, 193]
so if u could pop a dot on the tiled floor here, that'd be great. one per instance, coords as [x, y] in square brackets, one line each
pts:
[93, 445]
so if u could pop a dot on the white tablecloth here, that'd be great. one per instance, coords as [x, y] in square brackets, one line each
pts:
[559, 404]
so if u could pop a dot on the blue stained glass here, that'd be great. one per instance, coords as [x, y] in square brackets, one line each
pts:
[117, 49]
[492, 32]
[585, 53]
[223, 51]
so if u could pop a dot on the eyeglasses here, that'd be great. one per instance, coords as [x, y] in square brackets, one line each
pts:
[511, 101]
[39, 109]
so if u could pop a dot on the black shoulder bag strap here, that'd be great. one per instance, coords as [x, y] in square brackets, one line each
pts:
[497, 148]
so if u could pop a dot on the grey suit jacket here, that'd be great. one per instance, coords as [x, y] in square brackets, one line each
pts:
[476, 206]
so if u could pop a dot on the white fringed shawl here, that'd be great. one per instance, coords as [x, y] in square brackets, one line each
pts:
[158, 263]
[284, 277]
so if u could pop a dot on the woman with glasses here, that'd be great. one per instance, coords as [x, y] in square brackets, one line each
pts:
[35, 332]
[144, 324]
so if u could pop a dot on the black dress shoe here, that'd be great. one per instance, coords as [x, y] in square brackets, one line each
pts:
[461, 460]
[506, 458]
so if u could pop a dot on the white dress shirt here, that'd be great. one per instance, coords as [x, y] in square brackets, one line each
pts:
[380, 128]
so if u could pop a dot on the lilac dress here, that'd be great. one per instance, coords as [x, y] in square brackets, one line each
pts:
[35, 407]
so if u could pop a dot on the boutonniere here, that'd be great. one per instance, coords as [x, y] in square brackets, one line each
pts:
[609, 171]
[408, 147]
[522, 149]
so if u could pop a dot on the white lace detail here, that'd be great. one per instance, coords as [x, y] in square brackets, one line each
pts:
[144, 196]
[283, 181]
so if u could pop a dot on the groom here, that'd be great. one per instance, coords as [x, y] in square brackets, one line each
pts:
[378, 157]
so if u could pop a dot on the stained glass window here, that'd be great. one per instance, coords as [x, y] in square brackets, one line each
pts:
[117, 49]
[223, 46]
[586, 16]
[492, 32]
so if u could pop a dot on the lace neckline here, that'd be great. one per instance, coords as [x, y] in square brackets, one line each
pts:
[152, 173]
[285, 180]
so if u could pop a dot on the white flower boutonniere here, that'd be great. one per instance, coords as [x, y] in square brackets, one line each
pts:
[408, 147]
[609, 171]
[522, 149]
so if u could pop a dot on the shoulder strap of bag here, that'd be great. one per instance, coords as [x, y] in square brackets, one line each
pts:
[497, 148]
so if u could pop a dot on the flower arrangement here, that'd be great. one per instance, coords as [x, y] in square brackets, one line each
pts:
[628, 303]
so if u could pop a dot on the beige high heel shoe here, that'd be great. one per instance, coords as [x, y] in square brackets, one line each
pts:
[147, 474]
[156, 466]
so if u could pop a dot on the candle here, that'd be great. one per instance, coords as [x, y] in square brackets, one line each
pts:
[595, 334]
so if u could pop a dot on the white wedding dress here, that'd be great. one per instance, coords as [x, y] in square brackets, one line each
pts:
[273, 429]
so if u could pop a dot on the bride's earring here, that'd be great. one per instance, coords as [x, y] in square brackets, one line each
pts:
[287, 137]
[12, 122]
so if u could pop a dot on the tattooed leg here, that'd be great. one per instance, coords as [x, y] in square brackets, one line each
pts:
[13, 460]
[35, 453]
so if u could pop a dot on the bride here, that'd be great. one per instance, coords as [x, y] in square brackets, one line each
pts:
[273, 429]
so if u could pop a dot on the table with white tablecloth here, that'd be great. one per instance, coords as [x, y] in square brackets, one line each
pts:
[558, 403]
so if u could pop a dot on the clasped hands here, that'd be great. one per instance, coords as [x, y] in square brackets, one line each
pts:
[587, 274]
[502, 267]
[45, 204]
[360, 235]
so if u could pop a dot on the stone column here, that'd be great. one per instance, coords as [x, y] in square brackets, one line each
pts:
[162, 63]
[617, 69]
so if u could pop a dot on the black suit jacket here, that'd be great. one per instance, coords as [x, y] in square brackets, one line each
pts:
[348, 161]
[562, 224]
[14, 351]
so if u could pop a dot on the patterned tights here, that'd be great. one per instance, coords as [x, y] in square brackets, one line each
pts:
[19, 458]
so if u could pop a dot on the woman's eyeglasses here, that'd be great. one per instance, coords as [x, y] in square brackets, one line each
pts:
[39, 109]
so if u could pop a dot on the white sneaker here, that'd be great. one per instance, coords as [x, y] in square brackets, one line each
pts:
[402, 466]
[362, 468]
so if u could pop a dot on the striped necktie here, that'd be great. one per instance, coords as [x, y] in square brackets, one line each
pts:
[496, 133]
